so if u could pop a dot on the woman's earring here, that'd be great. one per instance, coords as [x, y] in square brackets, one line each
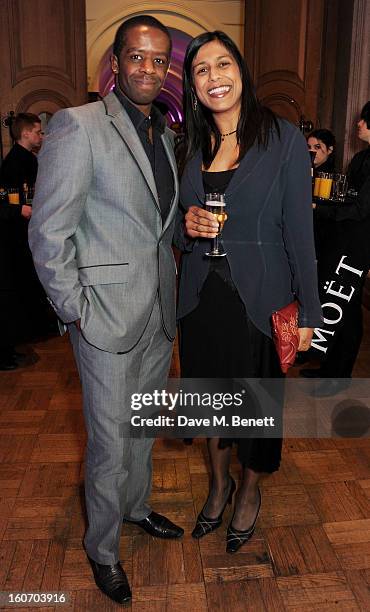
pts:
[195, 103]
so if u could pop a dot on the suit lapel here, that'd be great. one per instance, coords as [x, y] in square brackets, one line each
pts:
[126, 130]
[251, 160]
[168, 147]
[248, 164]
[195, 176]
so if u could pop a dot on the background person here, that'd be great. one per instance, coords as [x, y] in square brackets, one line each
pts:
[11, 311]
[348, 229]
[20, 165]
[322, 143]
[19, 168]
[235, 146]
[18, 280]
[359, 167]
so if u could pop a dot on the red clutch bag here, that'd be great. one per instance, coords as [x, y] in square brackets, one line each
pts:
[285, 334]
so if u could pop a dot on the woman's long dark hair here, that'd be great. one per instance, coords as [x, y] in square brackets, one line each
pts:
[255, 121]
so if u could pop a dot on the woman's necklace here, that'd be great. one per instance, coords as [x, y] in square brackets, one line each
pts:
[223, 136]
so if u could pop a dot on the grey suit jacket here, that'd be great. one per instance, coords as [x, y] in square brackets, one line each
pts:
[268, 235]
[96, 232]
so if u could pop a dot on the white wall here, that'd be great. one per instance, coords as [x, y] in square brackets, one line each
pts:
[193, 17]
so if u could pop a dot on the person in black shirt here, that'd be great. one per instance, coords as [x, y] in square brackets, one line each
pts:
[349, 235]
[322, 143]
[19, 168]
[359, 168]
[20, 165]
[9, 315]
[357, 207]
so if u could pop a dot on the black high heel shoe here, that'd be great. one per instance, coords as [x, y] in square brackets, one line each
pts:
[205, 524]
[235, 538]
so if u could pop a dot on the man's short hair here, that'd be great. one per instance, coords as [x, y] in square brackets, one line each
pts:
[365, 114]
[147, 20]
[21, 121]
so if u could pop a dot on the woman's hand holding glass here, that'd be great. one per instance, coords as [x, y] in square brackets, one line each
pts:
[200, 223]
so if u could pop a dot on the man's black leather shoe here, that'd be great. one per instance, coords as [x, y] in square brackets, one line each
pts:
[112, 581]
[159, 526]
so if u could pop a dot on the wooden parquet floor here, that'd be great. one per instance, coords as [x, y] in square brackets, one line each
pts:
[310, 552]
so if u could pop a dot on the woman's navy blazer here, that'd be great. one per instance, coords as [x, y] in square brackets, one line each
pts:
[268, 235]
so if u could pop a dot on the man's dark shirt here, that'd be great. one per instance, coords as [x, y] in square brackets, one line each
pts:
[18, 167]
[359, 169]
[156, 154]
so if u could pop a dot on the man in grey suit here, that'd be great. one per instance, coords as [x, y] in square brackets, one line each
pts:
[101, 234]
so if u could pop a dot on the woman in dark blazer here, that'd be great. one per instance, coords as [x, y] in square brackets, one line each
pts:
[235, 146]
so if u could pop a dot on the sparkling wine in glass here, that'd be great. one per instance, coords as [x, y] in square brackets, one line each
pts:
[215, 203]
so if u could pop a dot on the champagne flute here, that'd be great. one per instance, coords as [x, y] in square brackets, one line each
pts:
[340, 186]
[30, 194]
[215, 203]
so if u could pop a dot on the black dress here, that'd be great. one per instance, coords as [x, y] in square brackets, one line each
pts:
[237, 350]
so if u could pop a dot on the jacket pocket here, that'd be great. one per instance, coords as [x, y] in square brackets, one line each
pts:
[103, 274]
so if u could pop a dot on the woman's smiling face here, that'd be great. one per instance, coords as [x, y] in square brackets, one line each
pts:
[216, 78]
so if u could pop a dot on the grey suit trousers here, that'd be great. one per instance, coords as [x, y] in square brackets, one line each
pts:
[118, 470]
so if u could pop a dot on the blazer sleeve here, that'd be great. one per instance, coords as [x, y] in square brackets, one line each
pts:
[63, 181]
[298, 231]
[181, 240]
